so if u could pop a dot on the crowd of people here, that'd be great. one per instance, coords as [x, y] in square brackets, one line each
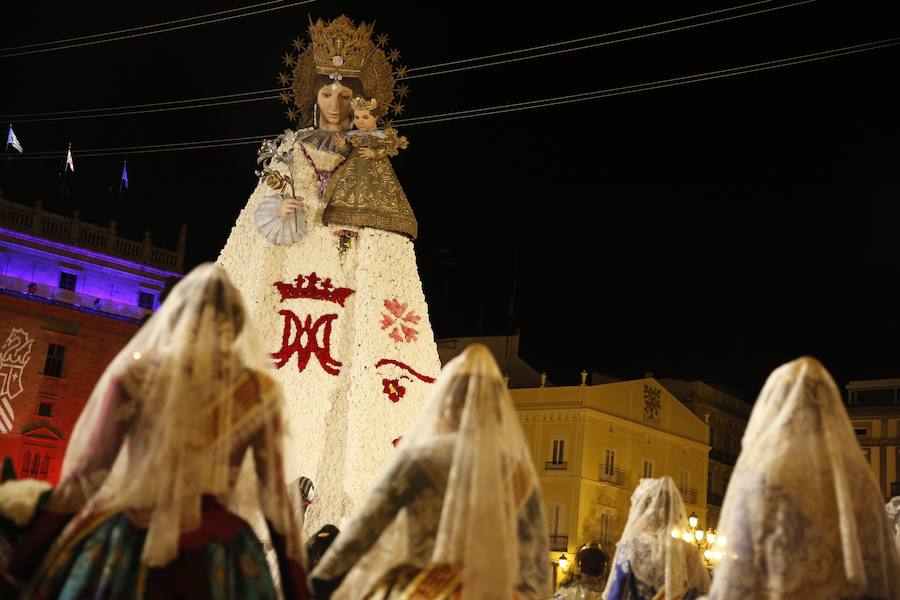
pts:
[173, 487]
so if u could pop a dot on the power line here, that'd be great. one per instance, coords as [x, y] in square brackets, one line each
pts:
[146, 110]
[654, 85]
[213, 100]
[201, 20]
[515, 107]
[131, 106]
[608, 42]
[610, 34]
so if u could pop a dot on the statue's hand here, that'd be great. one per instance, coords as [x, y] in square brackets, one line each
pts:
[340, 141]
[288, 205]
[367, 153]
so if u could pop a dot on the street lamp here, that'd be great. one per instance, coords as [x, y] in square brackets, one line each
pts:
[563, 562]
[704, 540]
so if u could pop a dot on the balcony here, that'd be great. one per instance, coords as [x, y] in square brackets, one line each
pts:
[612, 476]
[84, 301]
[689, 495]
[714, 498]
[556, 466]
[36, 221]
[558, 543]
[722, 457]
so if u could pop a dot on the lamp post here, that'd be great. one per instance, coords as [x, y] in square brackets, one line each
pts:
[704, 540]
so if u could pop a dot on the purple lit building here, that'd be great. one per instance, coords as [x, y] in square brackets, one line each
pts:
[71, 296]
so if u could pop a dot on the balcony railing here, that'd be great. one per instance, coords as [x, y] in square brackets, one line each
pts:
[556, 466]
[689, 495]
[48, 292]
[722, 457]
[612, 476]
[714, 498]
[558, 543]
[36, 221]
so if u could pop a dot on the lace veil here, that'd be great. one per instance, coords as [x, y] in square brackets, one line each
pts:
[803, 515]
[652, 543]
[171, 420]
[491, 477]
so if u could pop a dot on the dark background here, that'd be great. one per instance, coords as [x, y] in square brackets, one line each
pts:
[707, 231]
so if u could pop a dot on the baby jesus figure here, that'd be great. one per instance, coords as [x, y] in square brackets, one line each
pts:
[365, 192]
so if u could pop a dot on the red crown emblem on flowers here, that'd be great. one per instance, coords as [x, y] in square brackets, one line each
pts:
[313, 288]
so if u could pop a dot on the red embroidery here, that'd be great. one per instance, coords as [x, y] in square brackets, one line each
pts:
[315, 289]
[393, 389]
[404, 333]
[396, 441]
[312, 347]
[390, 361]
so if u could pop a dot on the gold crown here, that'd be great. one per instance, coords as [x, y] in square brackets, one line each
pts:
[360, 103]
[342, 49]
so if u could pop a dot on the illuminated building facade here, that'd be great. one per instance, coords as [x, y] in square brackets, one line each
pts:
[71, 296]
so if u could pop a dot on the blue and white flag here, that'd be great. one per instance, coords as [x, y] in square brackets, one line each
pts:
[124, 176]
[12, 140]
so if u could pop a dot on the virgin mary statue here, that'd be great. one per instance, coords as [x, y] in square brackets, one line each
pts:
[340, 307]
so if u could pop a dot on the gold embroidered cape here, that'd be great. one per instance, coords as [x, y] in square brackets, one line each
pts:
[366, 192]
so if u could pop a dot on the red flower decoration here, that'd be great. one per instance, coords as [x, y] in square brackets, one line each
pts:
[393, 389]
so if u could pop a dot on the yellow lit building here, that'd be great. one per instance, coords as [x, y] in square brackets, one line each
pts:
[874, 409]
[591, 444]
[727, 416]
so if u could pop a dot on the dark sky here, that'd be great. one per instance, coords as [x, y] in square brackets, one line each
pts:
[706, 231]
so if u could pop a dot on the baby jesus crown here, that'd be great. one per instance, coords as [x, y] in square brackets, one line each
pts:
[360, 103]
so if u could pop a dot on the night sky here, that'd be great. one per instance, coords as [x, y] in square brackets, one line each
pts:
[712, 230]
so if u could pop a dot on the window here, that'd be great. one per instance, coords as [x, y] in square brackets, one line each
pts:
[67, 281]
[559, 448]
[45, 409]
[861, 431]
[712, 437]
[684, 478]
[609, 464]
[54, 364]
[553, 519]
[647, 471]
[146, 300]
[26, 465]
[604, 527]
[708, 481]
[728, 442]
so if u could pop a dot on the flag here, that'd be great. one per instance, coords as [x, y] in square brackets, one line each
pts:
[12, 140]
[70, 164]
[124, 176]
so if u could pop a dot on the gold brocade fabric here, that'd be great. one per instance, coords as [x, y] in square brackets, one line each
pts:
[366, 193]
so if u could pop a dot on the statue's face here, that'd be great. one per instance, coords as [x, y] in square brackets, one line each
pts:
[364, 120]
[334, 106]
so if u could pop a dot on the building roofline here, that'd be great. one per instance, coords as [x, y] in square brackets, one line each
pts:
[80, 251]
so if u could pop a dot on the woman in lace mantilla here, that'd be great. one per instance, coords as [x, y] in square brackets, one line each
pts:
[651, 557]
[803, 516]
[457, 513]
[164, 466]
